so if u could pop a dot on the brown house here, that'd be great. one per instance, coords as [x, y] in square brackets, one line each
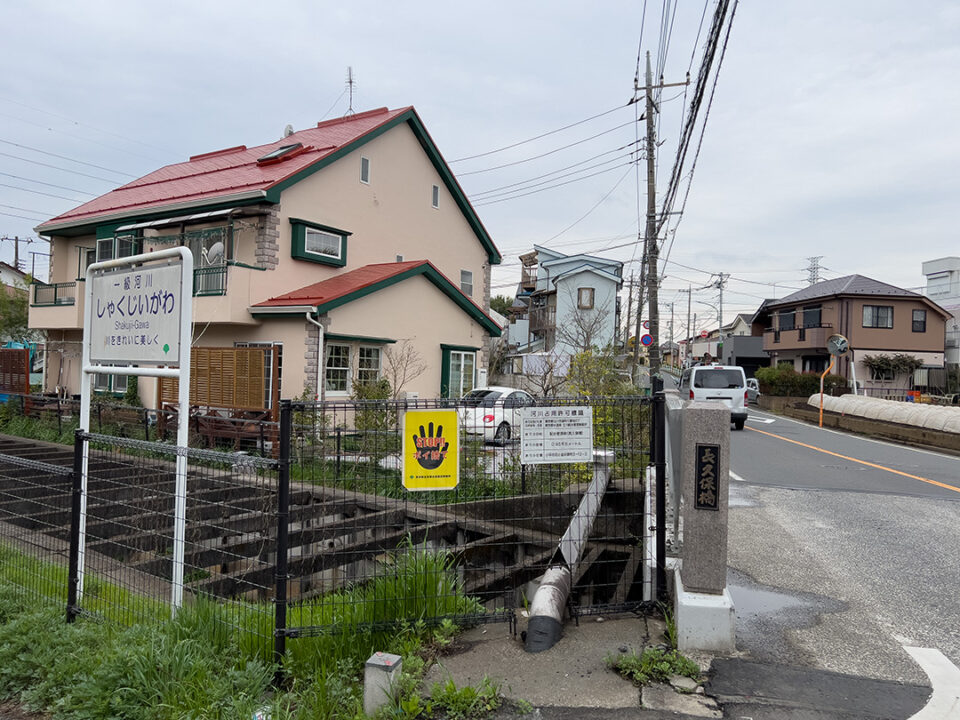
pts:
[876, 318]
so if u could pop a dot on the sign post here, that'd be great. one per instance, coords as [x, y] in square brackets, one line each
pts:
[139, 311]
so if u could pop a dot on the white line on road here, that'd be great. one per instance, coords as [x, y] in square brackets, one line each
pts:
[944, 702]
[765, 421]
[734, 476]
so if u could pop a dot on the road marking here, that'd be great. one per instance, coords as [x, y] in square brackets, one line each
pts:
[945, 486]
[944, 702]
[765, 421]
[734, 476]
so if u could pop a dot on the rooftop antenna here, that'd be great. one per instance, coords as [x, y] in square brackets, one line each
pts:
[350, 83]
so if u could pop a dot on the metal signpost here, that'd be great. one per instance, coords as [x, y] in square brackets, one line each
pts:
[139, 311]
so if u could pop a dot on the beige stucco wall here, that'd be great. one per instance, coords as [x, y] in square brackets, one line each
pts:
[390, 216]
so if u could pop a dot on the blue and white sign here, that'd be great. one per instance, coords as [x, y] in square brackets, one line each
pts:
[135, 315]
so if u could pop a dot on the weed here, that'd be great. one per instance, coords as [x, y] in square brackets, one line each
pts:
[670, 623]
[465, 703]
[654, 665]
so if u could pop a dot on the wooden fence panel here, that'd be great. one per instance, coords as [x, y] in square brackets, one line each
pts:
[225, 378]
[15, 371]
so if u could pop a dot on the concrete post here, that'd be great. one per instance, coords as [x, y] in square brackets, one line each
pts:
[704, 609]
[379, 675]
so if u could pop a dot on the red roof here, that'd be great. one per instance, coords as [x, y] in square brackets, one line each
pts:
[343, 284]
[228, 172]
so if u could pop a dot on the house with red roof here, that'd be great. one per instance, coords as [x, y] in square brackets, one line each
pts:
[332, 245]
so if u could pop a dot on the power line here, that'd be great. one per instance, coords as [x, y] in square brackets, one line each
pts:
[554, 172]
[37, 192]
[64, 157]
[41, 182]
[537, 137]
[550, 152]
[598, 204]
[21, 217]
[57, 167]
[520, 191]
[44, 213]
[553, 187]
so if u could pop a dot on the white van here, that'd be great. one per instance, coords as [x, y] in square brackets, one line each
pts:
[726, 383]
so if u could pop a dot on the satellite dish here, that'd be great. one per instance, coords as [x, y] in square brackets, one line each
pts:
[214, 254]
[288, 131]
[837, 345]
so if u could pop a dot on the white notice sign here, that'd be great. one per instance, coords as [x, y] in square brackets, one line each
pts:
[556, 435]
[135, 315]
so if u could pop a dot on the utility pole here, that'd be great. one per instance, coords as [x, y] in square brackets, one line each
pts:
[686, 345]
[626, 342]
[650, 237]
[671, 327]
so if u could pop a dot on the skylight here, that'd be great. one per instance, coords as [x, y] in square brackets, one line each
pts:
[280, 152]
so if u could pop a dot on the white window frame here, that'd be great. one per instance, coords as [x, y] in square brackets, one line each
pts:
[104, 244]
[327, 367]
[466, 284]
[323, 235]
[435, 198]
[268, 367]
[361, 370]
[461, 388]
[364, 170]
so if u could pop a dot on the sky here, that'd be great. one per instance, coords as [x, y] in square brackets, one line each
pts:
[831, 132]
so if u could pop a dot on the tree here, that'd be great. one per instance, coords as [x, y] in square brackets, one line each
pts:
[14, 314]
[401, 364]
[594, 373]
[501, 303]
[896, 366]
[585, 328]
[545, 373]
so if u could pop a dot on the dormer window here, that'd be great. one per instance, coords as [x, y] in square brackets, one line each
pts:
[281, 153]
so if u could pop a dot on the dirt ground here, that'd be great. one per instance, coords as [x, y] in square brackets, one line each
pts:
[10, 710]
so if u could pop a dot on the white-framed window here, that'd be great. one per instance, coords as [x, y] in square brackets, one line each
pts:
[108, 383]
[881, 375]
[104, 249]
[365, 170]
[118, 247]
[399, 258]
[336, 371]
[436, 196]
[462, 370]
[323, 243]
[878, 316]
[585, 298]
[466, 282]
[87, 256]
[368, 364]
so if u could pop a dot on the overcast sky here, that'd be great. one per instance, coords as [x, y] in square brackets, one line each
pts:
[833, 131]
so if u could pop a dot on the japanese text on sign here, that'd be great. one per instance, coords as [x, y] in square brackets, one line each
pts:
[707, 477]
[430, 450]
[556, 435]
[135, 315]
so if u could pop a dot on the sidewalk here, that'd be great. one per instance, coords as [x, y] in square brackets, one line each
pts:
[571, 680]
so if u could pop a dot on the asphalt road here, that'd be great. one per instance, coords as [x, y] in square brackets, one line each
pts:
[842, 551]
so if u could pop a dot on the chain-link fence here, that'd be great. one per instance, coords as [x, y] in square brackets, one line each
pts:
[324, 532]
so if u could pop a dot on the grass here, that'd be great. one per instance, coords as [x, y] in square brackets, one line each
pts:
[654, 665]
[214, 659]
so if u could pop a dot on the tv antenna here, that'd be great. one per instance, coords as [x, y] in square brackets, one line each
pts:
[350, 83]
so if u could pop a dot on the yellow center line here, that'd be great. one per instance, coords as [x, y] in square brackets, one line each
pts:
[857, 460]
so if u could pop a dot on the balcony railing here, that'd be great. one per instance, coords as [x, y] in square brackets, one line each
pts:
[799, 337]
[542, 319]
[210, 281]
[45, 295]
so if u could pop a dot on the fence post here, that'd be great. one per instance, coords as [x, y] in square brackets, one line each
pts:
[283, 520]
[73, 574]
[660, 454]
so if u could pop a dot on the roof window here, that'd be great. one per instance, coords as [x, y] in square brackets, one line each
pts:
[280, 153]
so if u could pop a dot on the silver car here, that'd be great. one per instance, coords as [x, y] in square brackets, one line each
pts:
[753, 390]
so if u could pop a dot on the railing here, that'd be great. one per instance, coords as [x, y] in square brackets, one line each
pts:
[528, 278]
[542, 319]
[809, 336]
[54, 294]
[210, 280]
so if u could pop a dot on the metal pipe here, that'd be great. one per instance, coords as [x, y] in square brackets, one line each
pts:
[319, 325]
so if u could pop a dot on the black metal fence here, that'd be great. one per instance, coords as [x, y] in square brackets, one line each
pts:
[321, 535]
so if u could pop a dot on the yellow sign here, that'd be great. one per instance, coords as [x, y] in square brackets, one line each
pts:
[431, 459]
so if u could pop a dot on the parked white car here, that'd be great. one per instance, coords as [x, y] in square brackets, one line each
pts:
[493, 412]
[722, 383]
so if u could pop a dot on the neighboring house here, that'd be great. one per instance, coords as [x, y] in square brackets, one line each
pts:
[876, 318]
[569, 303]
[943, 287]
[357, 224]
[12, 277]
[741, 346]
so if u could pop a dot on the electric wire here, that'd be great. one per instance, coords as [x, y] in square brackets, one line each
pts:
[536, 137]
[553, 187]
[513, 193]
[64, 157]
[542, 155]
[41, 182]
[37, 192]
[57, 167]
